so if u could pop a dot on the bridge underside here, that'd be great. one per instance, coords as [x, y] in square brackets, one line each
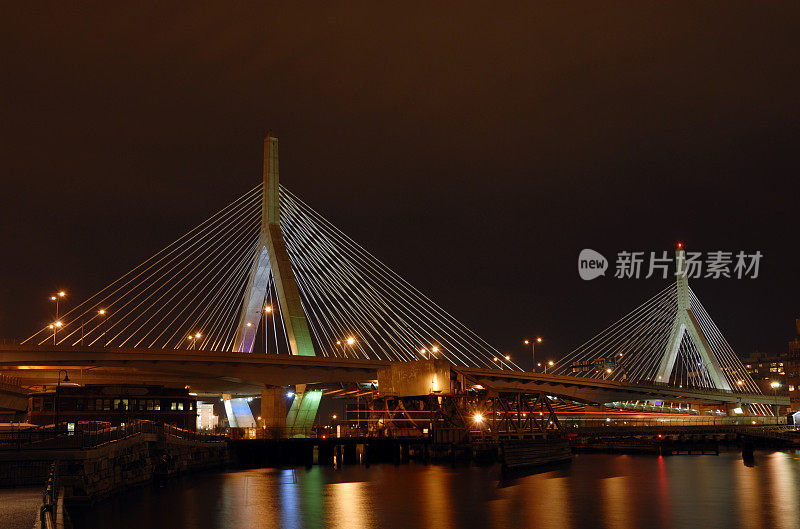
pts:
[217, 373]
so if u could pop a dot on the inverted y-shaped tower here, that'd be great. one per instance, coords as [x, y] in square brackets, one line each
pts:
[273, 260]
[684, 322]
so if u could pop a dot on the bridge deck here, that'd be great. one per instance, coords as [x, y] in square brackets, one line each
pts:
[216, 372]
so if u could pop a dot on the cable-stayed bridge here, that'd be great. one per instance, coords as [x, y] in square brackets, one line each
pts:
[234, 305]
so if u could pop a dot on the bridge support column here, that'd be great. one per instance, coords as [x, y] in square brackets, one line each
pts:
[273, 410]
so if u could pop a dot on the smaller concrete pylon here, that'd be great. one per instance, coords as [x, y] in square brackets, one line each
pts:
[238, 412]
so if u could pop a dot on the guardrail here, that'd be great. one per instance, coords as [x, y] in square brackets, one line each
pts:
[10, 381]
[92, 434]
[49, 509]
[570, 423]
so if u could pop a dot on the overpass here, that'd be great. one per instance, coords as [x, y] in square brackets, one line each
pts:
[214, 373]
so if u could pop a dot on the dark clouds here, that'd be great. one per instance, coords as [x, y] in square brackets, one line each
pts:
[475, 148]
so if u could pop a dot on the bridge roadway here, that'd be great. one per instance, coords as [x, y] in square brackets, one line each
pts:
[218, 372]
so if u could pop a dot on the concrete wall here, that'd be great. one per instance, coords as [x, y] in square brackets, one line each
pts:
[90, 474]
[410, 379]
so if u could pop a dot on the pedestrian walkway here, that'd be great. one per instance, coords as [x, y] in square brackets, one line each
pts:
[19, 507]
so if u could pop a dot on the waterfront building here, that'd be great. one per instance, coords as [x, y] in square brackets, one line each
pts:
[115, 404]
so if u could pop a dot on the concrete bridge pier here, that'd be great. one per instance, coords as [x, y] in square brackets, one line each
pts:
[273, 410]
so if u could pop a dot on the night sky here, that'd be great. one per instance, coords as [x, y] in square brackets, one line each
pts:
[476, 150]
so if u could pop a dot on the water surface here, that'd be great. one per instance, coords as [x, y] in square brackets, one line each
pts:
[593, 491]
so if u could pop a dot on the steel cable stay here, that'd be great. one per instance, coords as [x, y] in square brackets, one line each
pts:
[368, 264]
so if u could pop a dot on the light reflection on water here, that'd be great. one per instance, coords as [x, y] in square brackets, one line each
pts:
[592, 491]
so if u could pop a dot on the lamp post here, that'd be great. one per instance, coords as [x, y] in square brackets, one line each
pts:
[55, 326]
[267, 309]
[193, 339]
[775, 385]
[55, 401]
[533, 343]
[102, 315]
[57, 296]
[549, 363]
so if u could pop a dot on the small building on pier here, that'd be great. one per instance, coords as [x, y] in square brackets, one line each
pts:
[116, 404]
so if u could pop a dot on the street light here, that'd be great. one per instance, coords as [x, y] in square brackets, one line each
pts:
[533, 343]
[549, 363]
[267, 310]
[101, 313]
[57, 296]
[775, 385]
[55, 403]
[55, 326]
[193, 339]
[478, 418]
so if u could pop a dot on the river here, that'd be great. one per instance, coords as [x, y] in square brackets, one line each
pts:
[592, 491]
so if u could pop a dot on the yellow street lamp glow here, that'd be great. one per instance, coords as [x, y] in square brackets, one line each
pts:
[422, 350]
[550, 363]
[53, 298]
[526, 342]
[249, 324]
[435, 349]
[495, 359]
[62, 294]
[338, 342]
[198, 335]
[102, 312]
[268, 308]
[608, 370]
[351, 340]
[51, 326]
[740, 382]
[775, 385]
[508, 357]
[58, 324]
[478, 418]
[539, 340]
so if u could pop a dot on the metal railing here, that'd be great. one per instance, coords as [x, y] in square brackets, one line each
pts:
[48, 511]
[571, 423]
[10, 381]
[93, 434]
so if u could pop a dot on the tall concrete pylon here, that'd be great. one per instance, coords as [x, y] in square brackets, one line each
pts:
[273, 260]
[683, 323]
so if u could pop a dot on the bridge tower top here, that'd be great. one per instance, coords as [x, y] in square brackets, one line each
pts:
[270, 206]
[273, 260]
